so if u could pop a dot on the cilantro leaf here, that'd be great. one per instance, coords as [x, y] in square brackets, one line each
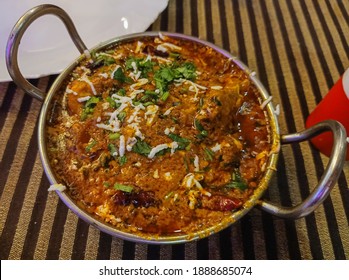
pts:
[90, 145]
[107, 60]
[142, 64]
[124, 188]
[237, 182]
[167, 74]
[89, 107]
[198, 125]
[114, 136]
[187, 71]
[101, 59]
[141, 147]
[209, 154]
[203, 133]
[113, 151]
[182, 142]
[112, 102]
[120, 76]
[122, 160]
[122, 116]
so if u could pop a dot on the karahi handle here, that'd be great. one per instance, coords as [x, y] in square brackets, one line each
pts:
[328, 179]
[15, 38]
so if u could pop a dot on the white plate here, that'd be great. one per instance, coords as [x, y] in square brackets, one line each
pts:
[46, 47]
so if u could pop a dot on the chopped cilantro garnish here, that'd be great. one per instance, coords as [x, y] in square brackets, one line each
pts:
[146, 104]
[175, 120]
[124, 188]
[136, 103]
[122, 116]
[144, 98]
[204, 133]
[120, 76]
[90, 145]
[167, 74]
[86, 113]
[114, 136]
[92, 101]
[236, 185]
[182, 142]
[187, 71]
[111, 102]
[107, 60]
[164, 76]
[122, 160]
[129, 61]
[199, 126]
[237, 182]
[186, 164]
[151, 93]
[88, 107]
[101, 59]
[217, 101]
[121, 92]
[209, 154]
[149, 98]
[141, 147]
[142, 64]
[165, 95]
[112, 149]
[175, 55]
[201, 102]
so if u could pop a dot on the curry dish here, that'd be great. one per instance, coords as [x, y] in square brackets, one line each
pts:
[159, 136]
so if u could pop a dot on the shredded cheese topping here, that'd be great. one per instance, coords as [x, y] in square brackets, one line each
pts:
[57, 187]
[216, 148]
[68, 90]
[122, 145]
[196, 163]
[83, 99]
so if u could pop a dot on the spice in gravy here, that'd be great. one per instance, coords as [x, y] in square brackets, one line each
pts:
[159, 136]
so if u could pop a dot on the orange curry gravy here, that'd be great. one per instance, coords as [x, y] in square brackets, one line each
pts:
[159, 135]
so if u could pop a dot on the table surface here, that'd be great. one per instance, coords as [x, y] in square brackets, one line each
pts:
[298, 50]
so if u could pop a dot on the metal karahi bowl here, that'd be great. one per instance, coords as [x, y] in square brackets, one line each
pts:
[319, 194]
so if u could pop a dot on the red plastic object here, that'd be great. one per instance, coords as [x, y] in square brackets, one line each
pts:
[335, 106]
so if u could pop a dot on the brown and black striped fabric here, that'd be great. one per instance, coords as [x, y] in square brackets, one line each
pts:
[298, 48]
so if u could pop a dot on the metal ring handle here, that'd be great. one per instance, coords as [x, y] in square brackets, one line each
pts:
[16, 35]
[328, 179]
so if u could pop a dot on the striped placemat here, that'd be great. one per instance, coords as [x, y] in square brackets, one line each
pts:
[298, 48]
